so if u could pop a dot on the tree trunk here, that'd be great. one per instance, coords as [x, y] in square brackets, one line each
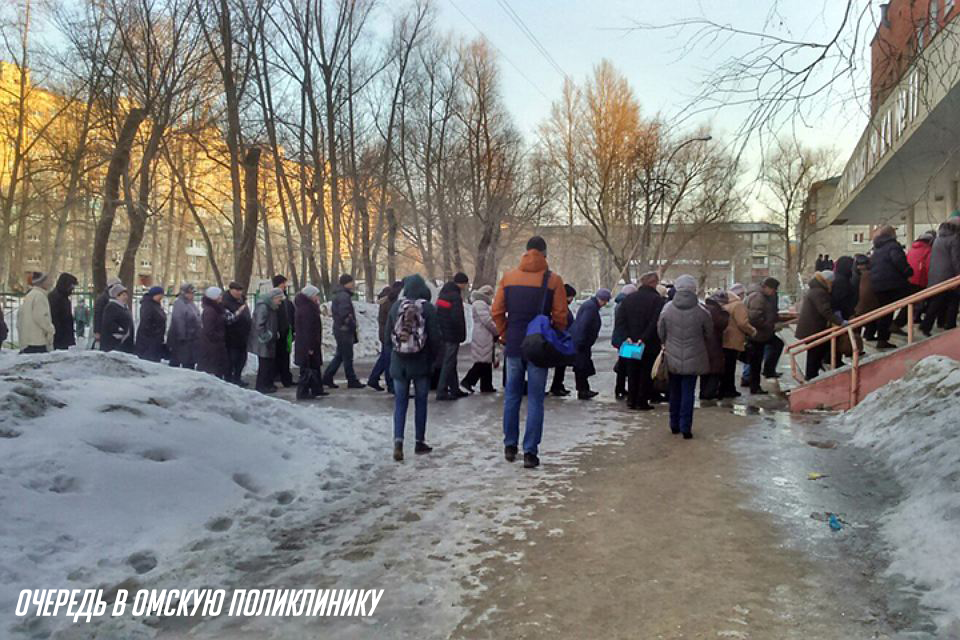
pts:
[119, 163]
[392, 246]
[248, 244]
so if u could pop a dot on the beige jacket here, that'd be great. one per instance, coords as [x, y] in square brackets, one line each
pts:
[34, 326]
[739, 327]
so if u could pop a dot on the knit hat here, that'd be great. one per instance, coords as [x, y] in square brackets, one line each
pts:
[738, 289]
[571, 292]
[628, 289]
[686, 283]
[604, 294]
[461, 278]
[278, 280]
[345, 279]
[116, 290]
[310, 291]
[154, 291]
[213, 293]
[537, 243]
[112, 281]
[276, 292]
[37, 278]
[187, 287]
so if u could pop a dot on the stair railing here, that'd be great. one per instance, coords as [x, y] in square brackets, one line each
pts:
[832, 334]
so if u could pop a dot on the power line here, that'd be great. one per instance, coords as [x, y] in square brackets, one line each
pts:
[498, 50]
[525, 30]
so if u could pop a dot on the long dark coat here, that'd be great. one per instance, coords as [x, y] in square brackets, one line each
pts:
[720, 318]
[153, 325]
[309, 335]
[212, 342]
[61, 312]
[116, 330]
[585, 330]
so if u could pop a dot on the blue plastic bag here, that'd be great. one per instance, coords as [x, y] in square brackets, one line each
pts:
[631, 351]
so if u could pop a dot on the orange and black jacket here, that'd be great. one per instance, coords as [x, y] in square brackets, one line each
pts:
[519, 298]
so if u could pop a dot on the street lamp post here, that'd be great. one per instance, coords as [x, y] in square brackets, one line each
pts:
[662, 185]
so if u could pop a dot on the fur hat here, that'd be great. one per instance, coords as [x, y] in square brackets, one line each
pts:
[628, 289]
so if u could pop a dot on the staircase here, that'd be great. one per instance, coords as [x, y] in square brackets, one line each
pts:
[844, 387]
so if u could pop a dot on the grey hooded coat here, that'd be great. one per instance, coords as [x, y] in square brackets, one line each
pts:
[685, 329]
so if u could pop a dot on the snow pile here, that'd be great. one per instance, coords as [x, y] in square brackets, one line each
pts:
[911, 424]
[109, 464]
[368, 332]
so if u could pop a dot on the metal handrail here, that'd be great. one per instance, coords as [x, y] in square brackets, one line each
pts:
[831, 334]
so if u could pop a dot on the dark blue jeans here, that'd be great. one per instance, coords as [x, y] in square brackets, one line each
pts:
[382, 367]
[536, 378]
[401, 389]
[682, 391]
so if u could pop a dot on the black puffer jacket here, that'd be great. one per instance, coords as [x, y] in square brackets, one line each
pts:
[308, 343]
[642, 310]
[889, 269]
[453, 324]
[61, 312]
[844, 294]
[341, 310]
[153, 326]
[116, 330]
[238, 332]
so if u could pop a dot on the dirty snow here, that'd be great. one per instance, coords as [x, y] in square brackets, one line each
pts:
[114, 469]
[911, 424]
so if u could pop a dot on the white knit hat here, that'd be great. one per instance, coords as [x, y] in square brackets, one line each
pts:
[213, 292]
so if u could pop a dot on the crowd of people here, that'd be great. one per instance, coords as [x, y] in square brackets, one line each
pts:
[679, 342]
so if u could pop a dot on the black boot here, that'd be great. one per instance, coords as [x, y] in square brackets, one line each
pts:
[530, 461]
[510, 453]
[422, 447]
[398, 451]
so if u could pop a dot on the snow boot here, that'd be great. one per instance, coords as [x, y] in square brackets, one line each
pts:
[530, 461]
[510, 453]
[355, 384]
[398, 451]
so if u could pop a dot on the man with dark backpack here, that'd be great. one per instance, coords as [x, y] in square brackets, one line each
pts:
[525, 293]
[413, 337]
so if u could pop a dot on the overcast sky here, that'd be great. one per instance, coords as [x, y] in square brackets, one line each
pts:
[665, 77]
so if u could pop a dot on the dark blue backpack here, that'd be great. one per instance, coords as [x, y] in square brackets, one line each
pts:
[543, 345]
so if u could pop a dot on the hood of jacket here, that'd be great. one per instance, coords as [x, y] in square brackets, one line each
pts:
[819, 282]
[685, 300]
[533, 262]
[947, 229]
[415, 288]
[844, 267]
[302, 299]
[880, 241]
[481, 295]
[65, 283]
[207, 302]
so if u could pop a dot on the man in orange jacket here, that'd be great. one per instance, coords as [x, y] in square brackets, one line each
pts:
[520, 298]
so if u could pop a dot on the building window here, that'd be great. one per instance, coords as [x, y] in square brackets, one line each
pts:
[858, 238]
[145, 264]
[760, 262]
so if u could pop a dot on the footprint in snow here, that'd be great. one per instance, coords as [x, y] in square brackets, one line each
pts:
[219, 524]
[142, 561]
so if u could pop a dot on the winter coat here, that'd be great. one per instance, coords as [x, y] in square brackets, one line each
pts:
[719, 318]
[685, 329]
[238, 332]
[61, 312]
[519, 300]
[739, 327]
[263, 333]
[388, 295]
[764, 314]
[34, 325]
[889, 269]
[816, 312]
[153, 324]
[98, 306]
[866, 298]
[918, 257]
[308, 341]
[286, 321]
[116, 331]
[415, 365]
[641, 310]
[453, 324]
[4, 331]
[843, 293]
[945, 254]
[212, 355]
[184, 331]
[585, 330]
[343, 315]
[484, 330]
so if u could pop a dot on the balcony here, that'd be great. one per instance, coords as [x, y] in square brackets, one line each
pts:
[907, 155]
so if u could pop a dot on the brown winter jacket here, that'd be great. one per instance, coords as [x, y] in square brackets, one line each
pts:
[739, 327]
[867, 301]
[519, 297]
[816, 314]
